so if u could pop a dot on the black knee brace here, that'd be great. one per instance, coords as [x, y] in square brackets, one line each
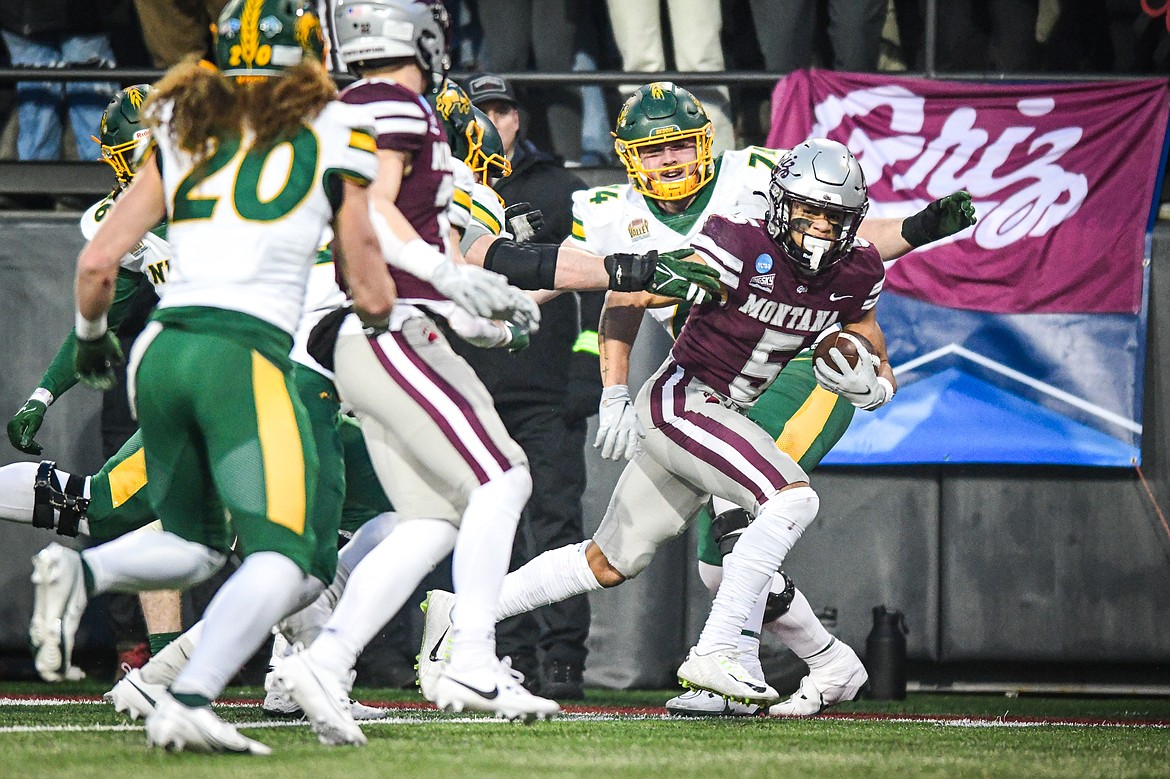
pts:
[779, 601]
[727, 527]
[48, 495]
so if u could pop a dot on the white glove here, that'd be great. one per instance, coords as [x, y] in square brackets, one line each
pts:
[618, 428]
[860, 384]
[523, 311]
[485, 294]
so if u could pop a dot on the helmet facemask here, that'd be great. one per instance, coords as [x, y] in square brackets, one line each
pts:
[649, 181]
[485, 150]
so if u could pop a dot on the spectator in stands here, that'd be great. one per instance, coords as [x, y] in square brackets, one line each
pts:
[694, 29]
[786, 30]
[988, 36]
[544, 395]
[543, 33]
[175, 29]
[57, 34]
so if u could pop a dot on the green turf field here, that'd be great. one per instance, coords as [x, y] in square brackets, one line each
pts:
[617, 734]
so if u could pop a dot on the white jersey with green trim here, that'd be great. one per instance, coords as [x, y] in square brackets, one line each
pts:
[618, 219]
[246, 224]
[151, 257]
[476, 202]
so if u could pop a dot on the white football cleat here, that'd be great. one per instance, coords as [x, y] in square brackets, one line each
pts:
[721, 673]
[134, 696]
[702, 703]
[837, 680]
[435, 650]
[58, 602]
[363, 713]
[278, 703]
[179, 728]
[324, 697]
[494, 689]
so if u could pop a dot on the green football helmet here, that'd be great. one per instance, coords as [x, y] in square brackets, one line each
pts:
[658, 113]
[122, 131]
[473, 137]
[260, 38]
[485, 149]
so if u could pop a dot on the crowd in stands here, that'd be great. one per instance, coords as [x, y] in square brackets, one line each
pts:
[973, 36]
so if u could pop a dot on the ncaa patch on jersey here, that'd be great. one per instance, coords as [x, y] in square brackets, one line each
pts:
[763, 282]
[764, 264]
[639, 228]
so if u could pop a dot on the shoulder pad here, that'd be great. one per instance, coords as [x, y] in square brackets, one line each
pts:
[94, 215]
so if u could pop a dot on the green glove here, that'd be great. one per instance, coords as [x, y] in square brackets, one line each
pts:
[944, 217]
[94, 361]
[676, 277]
[25, 424]
[520, 338]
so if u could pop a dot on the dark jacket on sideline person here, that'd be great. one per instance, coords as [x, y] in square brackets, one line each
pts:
[548, 371]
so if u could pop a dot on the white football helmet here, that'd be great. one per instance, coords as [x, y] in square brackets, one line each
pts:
[372, 31]
[819, 176]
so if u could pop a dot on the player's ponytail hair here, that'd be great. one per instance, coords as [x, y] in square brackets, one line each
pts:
[207, 105]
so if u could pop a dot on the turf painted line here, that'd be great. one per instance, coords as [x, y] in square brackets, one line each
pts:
[418, 712]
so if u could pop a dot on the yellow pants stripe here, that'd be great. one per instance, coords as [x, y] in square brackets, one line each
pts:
[806, 424]
[127, 478]
[280, 446]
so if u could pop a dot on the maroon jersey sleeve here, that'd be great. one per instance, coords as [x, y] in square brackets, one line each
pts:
[400, 117]
[772, 312]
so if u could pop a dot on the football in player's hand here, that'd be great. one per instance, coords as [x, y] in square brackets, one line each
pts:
[851, 345]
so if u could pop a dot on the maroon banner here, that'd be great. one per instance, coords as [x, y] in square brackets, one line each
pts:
[1062, 176]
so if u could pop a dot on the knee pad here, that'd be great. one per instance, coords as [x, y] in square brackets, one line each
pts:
[780, 597]
[727, 527]
[48, 496]
[798, 506]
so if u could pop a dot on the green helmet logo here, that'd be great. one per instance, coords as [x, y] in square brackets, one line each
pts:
[662, 114]
[122, 130]
[260, 38]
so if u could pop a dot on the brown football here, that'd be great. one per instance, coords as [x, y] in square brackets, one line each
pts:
[848, 343]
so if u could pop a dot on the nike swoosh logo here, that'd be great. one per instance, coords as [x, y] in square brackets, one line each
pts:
[746, 683]
[833, 296]
[490, 696]
[434, 656]
[141, 691]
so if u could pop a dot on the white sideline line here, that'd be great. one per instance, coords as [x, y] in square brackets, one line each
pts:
[1023, 378]
[271, 724]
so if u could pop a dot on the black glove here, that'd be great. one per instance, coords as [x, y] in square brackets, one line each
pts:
[944, 217]
[631, 272]
[523, 221]
[583, 393]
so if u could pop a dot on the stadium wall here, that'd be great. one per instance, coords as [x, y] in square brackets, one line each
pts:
[989, 564]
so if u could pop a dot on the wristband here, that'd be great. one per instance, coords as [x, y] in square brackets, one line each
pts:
[89, 329]
[42, 395]
[921, 228]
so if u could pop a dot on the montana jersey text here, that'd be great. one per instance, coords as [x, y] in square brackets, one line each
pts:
[772, 312]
